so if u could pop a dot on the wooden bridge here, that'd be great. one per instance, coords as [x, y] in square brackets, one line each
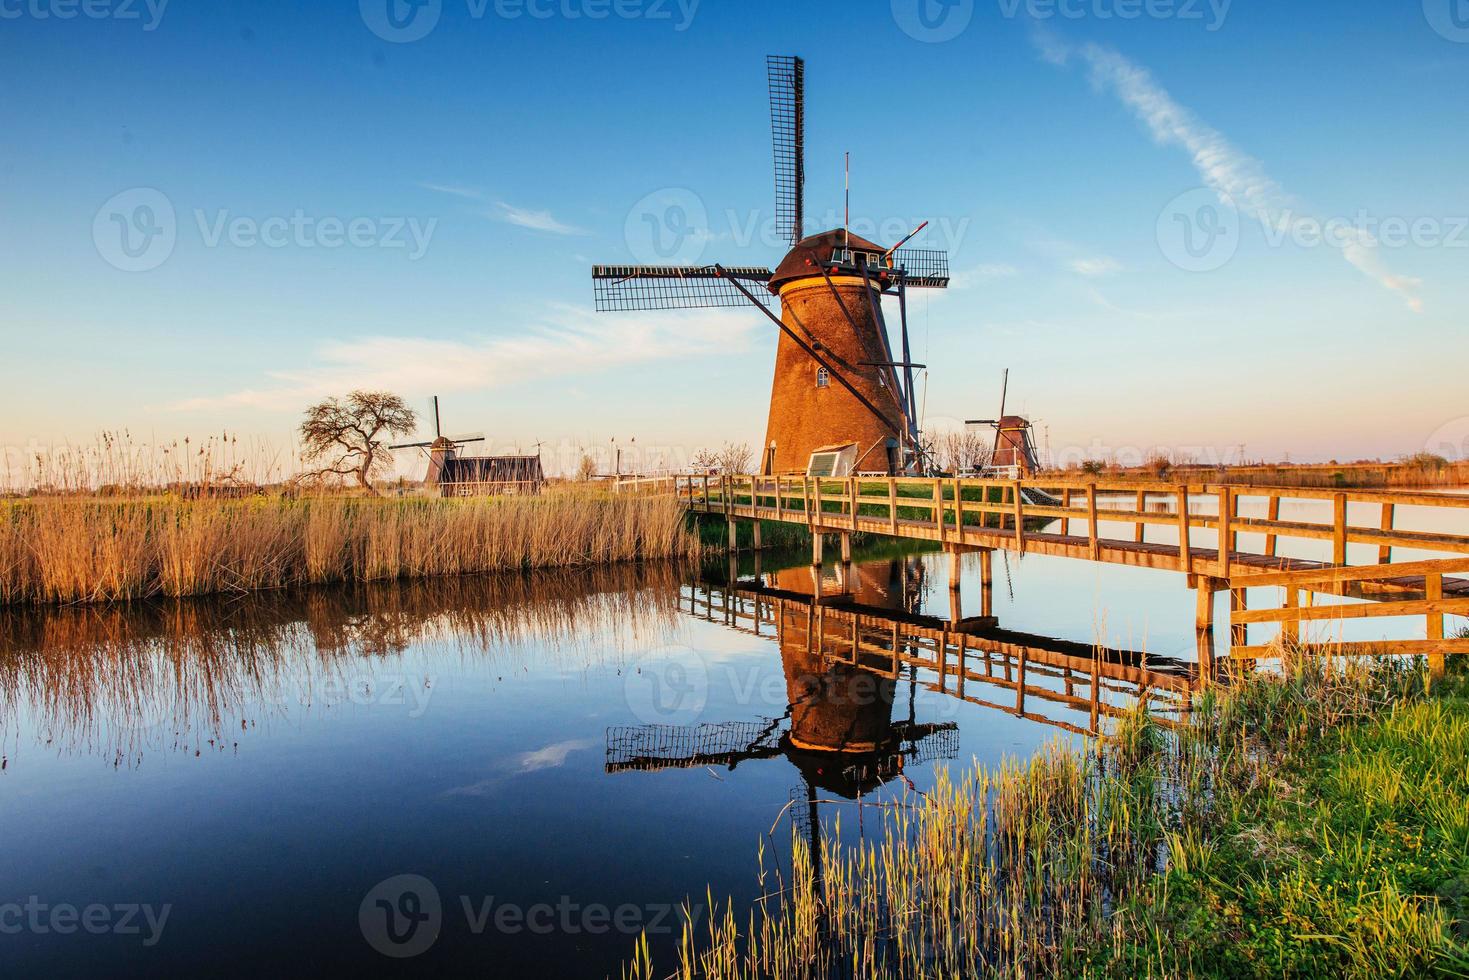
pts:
[1220, 537]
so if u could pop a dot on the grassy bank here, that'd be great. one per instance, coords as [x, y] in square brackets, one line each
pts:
[94, 549]
[1314, 824]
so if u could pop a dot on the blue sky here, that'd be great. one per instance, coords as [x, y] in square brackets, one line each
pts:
[353, 206]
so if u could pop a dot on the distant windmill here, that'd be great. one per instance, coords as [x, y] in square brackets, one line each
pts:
[438, 439]
[1014, 446]
[840, 402]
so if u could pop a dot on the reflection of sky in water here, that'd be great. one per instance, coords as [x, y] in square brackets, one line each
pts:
[262, 763]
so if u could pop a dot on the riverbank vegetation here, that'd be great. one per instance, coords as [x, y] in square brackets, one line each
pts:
[1420, 470]
[88, 548]
[1310, 823]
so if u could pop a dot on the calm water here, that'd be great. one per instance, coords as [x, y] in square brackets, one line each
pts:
[238, 786]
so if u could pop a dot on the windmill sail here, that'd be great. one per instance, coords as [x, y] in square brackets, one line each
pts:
[787, 76]
[672, 287]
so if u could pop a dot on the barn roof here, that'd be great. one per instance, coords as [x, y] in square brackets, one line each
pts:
[491, 469]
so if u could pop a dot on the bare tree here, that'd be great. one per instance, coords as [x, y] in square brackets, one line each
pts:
[586, 470]
[960, 450]
[344, 437]
[735, 458]
[731, 459]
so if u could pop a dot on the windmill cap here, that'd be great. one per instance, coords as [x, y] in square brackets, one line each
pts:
[803, 261]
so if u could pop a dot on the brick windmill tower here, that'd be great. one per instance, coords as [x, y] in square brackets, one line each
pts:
[841, 402]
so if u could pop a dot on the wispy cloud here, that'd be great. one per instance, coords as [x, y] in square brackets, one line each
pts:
[571, 341]
[552, 756]
[1095, 267]
[455, 190]
[964, 278]
[536, 220]
[1236, 177]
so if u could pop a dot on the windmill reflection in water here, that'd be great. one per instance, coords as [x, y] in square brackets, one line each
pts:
[849, 644]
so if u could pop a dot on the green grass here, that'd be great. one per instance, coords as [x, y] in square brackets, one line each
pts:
[1346, 855]
[876, 505]
[1311, 823]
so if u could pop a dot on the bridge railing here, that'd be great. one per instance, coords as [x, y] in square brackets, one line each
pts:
[1420, 593]
[1205, 522]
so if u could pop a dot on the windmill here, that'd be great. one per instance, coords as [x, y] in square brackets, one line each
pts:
[439, 441]
[442, 451]
[840, 401]
[838, 730]
[1014, 447]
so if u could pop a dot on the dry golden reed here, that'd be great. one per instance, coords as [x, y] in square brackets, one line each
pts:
[96, 550]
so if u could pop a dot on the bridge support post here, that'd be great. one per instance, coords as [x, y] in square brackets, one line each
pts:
[1204, 624]
[956, 606]
[987, 582]
[846, 548]
[1204, 610]
[1239, 633]
[755, 530]
[734, 528]
[817, 539]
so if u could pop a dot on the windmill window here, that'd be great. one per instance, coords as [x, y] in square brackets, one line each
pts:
[823, 378]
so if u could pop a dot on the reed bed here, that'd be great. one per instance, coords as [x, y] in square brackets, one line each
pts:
[119, 679]
[1312, 823]
[94, 549]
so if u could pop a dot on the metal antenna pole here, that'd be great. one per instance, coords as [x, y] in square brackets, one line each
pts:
[907, 356]
[847, 216]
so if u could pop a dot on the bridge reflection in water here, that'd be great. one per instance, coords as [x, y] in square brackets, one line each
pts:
[847, 657]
